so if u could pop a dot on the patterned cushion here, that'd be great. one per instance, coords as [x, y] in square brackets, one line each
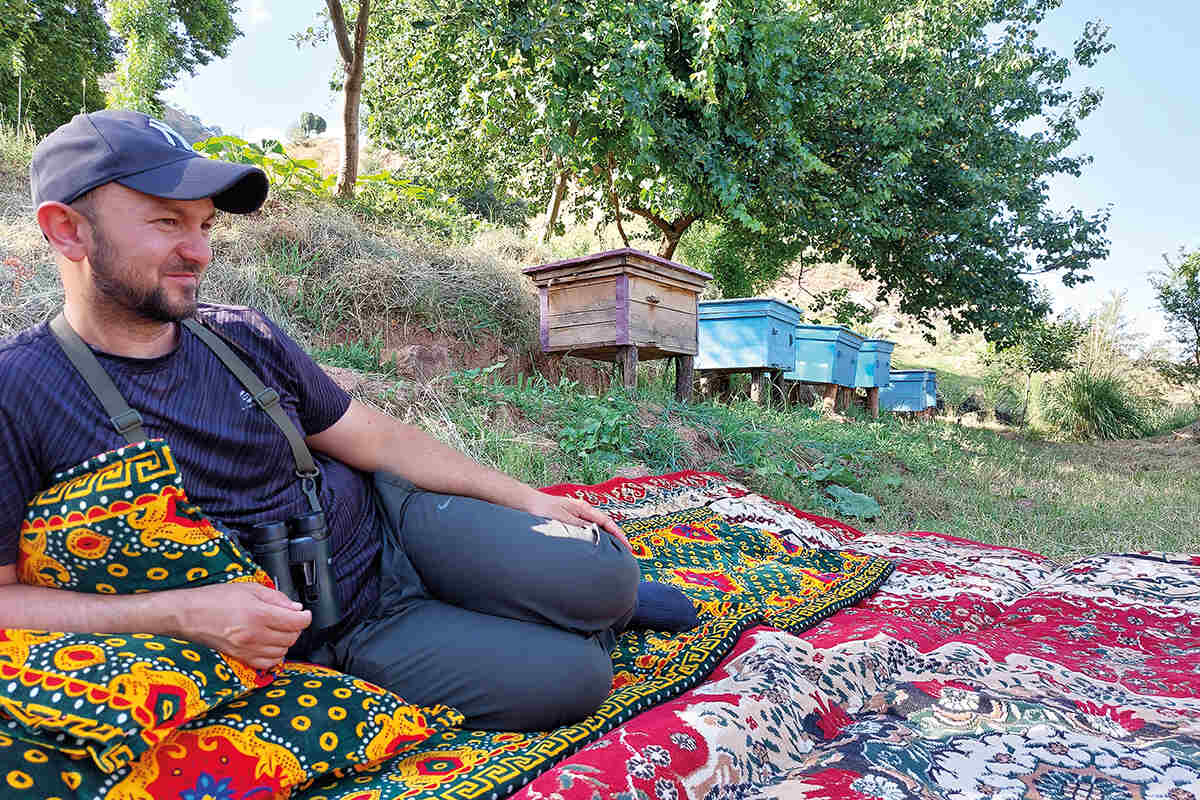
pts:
[311, 721]
[111, 696]
[119, 523]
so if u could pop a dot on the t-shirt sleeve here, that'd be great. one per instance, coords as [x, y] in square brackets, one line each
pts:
[20, 471]
[320, 401]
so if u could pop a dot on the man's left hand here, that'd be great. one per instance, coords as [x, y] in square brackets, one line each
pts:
[573, 512]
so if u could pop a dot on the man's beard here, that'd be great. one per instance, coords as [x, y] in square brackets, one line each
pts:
[151, 304]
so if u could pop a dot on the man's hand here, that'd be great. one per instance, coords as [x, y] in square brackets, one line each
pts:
[247, 621]
[573, 512]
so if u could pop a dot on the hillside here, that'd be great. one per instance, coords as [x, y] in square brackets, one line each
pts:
[444, 336]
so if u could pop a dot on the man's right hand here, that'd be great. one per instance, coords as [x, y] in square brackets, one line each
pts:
[247, 621]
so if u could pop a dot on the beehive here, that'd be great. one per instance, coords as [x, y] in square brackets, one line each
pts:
[874, 364]
[746, 334]
[598, 306]
[909, 390]
[825, 354]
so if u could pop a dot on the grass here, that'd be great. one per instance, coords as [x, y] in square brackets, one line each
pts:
[350, 290]
[1061, 500]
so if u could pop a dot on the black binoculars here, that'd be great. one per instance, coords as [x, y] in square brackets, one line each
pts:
[295, 553]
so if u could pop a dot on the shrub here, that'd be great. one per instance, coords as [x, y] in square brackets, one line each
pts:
[16, 148]
[288, 176]
[1086, 404]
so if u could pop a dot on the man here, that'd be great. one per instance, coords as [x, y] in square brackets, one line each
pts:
[475, 590]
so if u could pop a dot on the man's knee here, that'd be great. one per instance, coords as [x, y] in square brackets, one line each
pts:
[614, 583]
[561, 692]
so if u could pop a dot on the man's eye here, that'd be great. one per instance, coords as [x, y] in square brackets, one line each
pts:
[167, 221]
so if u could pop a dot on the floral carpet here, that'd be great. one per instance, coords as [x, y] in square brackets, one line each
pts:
[974, 672]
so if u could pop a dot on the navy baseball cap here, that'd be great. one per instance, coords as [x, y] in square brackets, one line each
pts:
[141, 153]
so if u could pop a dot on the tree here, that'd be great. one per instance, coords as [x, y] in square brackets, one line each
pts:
[162, 39]
[51, 55]
[911, 139]
[310, 124]
[1042, 347]
[1177, 288]
[354, 54]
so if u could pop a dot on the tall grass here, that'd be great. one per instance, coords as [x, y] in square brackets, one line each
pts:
[1086, 404]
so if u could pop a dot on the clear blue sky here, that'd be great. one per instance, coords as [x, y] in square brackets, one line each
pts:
[1145, 137]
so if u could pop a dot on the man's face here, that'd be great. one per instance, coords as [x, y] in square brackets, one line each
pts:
[148, 253]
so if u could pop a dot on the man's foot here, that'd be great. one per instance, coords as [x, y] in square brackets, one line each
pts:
[662, 607]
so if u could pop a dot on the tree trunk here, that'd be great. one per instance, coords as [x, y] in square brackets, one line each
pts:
[560, 192]
[672, 231]
[348, 170]
[670, 242]
[1028, 392]
[353, 59]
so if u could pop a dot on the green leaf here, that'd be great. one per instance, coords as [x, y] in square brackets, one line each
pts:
[853, 504]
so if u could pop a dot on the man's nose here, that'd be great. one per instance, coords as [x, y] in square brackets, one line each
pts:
[196, 248]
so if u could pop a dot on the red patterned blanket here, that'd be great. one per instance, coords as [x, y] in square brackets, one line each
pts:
[974, 672]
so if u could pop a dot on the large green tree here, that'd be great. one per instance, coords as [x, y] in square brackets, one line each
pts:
[163, 38]
[913, 139]
[52, 53]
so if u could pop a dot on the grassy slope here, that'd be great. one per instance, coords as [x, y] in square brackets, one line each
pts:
[344, 288]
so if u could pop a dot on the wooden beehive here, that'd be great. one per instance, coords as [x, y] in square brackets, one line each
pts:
[598, 305]
[874, 364]
[746, 334]
[825, 354]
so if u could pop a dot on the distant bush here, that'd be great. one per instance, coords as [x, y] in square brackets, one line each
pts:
[1171, 418]
[401, 203]
[1001, 393]
[493, 205]
[1085, 405]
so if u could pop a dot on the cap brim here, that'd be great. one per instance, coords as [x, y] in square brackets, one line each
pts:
[236, 188]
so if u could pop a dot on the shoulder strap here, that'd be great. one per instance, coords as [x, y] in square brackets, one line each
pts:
[127, 421]
[265, 398]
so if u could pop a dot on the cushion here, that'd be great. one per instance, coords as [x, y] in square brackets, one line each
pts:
[121, 523]
[311, 721]
[118, 523]
[111, 696]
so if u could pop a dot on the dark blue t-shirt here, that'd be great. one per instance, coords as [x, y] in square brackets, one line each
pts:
[235, 463]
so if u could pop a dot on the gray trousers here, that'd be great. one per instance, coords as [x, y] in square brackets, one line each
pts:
[505, 616]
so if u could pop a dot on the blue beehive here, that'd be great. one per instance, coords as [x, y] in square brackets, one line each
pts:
[825, 354]
[748, 333]
[909, 390]
[874, 364]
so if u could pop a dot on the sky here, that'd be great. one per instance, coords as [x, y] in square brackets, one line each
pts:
[1145, 137]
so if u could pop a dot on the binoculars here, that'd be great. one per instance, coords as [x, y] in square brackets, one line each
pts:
[295, 553]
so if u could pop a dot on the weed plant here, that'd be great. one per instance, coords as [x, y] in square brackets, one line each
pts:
[1084, 405]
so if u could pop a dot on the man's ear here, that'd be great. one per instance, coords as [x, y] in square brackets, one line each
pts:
[66, 229]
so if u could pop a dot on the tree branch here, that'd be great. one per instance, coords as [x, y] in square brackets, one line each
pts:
[337, 16]
[612, 194]
[655, 219]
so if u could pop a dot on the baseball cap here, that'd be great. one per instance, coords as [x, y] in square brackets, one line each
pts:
[142, 153]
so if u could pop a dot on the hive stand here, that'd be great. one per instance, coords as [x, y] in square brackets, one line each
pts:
[622, 306]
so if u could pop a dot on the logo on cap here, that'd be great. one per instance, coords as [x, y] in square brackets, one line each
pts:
[169, 133]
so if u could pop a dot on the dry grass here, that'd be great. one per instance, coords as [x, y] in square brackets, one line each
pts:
[29, 287]
[319, 270]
